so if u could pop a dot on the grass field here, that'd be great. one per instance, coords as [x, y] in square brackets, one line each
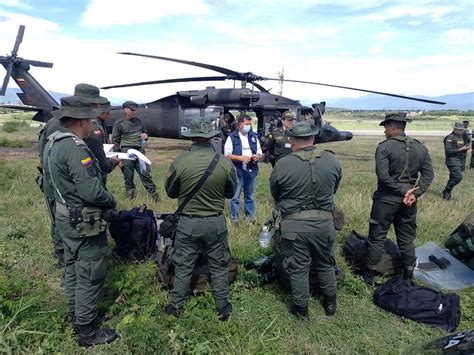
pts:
[32, 304]
[419, 123]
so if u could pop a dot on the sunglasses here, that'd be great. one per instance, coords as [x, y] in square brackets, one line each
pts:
[289, 119]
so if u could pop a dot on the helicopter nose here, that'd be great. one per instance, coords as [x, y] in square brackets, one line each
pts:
[345, 136]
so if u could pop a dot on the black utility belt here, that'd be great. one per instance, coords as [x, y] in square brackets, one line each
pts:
[196, 216]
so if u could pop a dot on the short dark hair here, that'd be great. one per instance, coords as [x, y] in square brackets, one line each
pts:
[466, 121]
[242, 117]
[397, 124]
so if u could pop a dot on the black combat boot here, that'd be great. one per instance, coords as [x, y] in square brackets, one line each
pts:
[447, 195]
[368, 276]
[88, 335]
[299, 312]
[329, 305]
[173, 311]
[223, 313]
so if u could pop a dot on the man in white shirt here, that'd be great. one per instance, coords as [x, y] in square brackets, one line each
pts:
[242, 147]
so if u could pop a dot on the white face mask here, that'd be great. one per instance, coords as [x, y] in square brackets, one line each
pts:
[247, 128]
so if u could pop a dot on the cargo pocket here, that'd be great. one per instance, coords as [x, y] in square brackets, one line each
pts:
[183, 230]
[287, 254]
[98, 269]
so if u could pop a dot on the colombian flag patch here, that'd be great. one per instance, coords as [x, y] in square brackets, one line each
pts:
[86, 162]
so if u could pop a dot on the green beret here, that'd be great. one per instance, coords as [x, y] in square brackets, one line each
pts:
[302, 129]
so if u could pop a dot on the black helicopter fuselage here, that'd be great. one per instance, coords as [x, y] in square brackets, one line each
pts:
[170, 116]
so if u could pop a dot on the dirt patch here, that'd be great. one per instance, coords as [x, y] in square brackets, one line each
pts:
[13, 153]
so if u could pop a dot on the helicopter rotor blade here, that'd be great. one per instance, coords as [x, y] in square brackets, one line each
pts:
[260, 87]
[37, 63]
[167, 81]
[196, 64]
[363, 90]
[7, 79]
[19, 39]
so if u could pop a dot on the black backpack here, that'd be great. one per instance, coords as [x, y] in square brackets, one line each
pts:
[134, 233]
[356, 248]
[420, 304]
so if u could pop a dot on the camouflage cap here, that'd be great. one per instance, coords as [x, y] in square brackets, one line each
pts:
[460, 126]
[132, 105]
[76, 107]
[287, 114]
[91, 93]
[200, 127]
[398, 117]
[302, 129]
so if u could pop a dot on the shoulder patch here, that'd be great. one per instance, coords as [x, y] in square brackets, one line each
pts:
[86, 161]
[97, 133]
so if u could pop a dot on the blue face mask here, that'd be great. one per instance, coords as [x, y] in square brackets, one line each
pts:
[247, 128]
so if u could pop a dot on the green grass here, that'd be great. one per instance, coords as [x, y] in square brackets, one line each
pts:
[370, 121]
[32, 305]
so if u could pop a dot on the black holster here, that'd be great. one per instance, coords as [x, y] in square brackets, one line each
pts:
[75, 216]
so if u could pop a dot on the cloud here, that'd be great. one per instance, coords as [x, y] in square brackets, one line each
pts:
[103, 13]
[435, 13]
[15, 3]
[386, 36]
[316, 52]
[460, 37]
[414, 23]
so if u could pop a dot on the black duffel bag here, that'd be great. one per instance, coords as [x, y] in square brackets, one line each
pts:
[418, 303]
[134, 233]
[356, 248]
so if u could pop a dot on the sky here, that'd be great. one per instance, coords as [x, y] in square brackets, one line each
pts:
[418, 47]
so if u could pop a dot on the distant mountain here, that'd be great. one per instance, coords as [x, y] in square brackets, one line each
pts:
[463, 101]
[12, 98]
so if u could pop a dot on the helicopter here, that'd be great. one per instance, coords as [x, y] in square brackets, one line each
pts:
[170, 116]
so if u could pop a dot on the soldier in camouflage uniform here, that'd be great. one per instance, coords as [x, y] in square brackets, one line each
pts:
[129, 132]
[227, 125]
[202, 225]
[72, 172]
[278, 143]
[88, 93]
[99, 134]
[303, 185]
[455, 148]
[404, 172]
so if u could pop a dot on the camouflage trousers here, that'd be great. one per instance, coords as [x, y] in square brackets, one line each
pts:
[308, 244]
[455, 168]
[208, 234]
[383, 214]
[129, 167]
[85, 267]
